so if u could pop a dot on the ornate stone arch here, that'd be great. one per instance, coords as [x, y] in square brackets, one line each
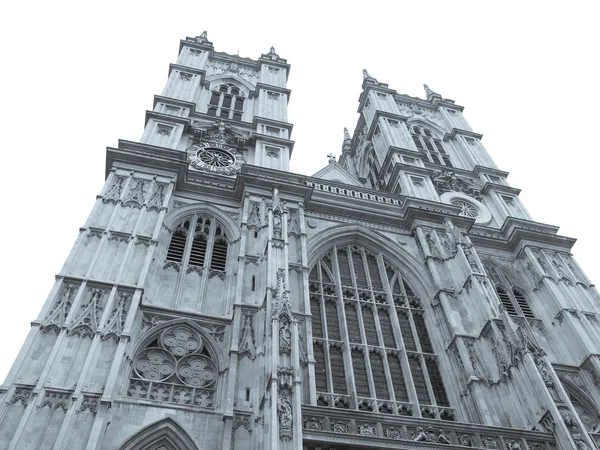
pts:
[215, 80]
[386, 330]
[417, 275]
[177, 362]
[586, 408]
[175, 216]
[163, 435]
[417, 120]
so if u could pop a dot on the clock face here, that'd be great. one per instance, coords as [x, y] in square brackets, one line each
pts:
[215, 158]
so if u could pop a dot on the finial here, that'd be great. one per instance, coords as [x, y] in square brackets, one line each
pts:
[272, 51]
[366, 74]
[428, 91]
[203, 35]
[346, 134]
[331, 158]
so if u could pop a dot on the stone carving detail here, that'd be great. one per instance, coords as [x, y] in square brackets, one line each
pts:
[116, 321]
[285, 334]
[313, 423]
[536, 445]
[281, 302]
[284, 411]
[286, 377]
[247, 344]
[340, 426]
[114, 192]
[219, 67]
[157, 198]
[89, 403]
[512, 444]
[467, 440]
[135, 195]
[254, 217]
[392, 432]
[56, 400]
[490, 442]
[413, 109]
[185, 76]
[172, 265]
[21, 395]
[429, 435]
[571, 423]
[366, 429]
[293, 223]
[447, 181]
[58, 314]
[277, 208]
[242, 421]
[88, 317]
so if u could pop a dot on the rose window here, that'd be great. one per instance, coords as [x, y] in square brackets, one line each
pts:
[216, 157]
[176, 367]
[466, 209]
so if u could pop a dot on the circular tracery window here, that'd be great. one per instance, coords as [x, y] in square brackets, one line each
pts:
[216, 157]
[466, 209]
[175, 368]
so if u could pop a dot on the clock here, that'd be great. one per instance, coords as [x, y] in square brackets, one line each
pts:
[215, 158]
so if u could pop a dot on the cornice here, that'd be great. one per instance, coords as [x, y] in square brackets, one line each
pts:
[174, 101]
[491, 187]
[277, 123]
[460, 132]
[272, 88]
[167, 118]
[187, 69]
[191, 42]
[477, 170]
[273, 140]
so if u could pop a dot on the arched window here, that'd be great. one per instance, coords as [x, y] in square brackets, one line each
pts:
[163, 435]
[175, 367]
[208, 236]
[428, 144]
[361, 303]
[511, 296]
[226, 101]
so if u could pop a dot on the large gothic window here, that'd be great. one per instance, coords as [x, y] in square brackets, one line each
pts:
[428, 144]
[511, 296]
[226, 101]
[372, 349]
[200, 243]
[175, 367]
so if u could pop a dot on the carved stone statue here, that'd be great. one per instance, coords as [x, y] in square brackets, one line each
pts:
[284, 409]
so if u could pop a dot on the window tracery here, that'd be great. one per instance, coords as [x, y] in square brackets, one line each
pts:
[431, 146]
[199, 242]
[366, 319]
[227, 102]
[175, 367]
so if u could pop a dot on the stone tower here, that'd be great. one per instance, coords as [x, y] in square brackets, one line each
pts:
[401, 297]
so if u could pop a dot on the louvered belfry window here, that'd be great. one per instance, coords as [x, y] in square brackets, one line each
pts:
[226, 101]
[200, 242]
[430, 145]
[371, 345]
[511, 296]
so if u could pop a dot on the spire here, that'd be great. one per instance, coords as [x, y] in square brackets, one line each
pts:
[346, 134]
[202, 38]
[366, 74]
[272, 53]
[429, 92]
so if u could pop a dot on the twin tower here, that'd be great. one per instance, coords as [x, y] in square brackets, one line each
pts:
[402, 297]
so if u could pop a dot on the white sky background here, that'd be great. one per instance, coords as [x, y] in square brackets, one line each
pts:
[77, 77]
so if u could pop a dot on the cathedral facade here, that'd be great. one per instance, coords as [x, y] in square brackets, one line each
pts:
[401, 297]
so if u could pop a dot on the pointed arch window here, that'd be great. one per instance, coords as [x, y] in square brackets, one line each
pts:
[372, 348]
[511, 296]
[227, 102]
[430, 145]
[199, 242]
[176, 366]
